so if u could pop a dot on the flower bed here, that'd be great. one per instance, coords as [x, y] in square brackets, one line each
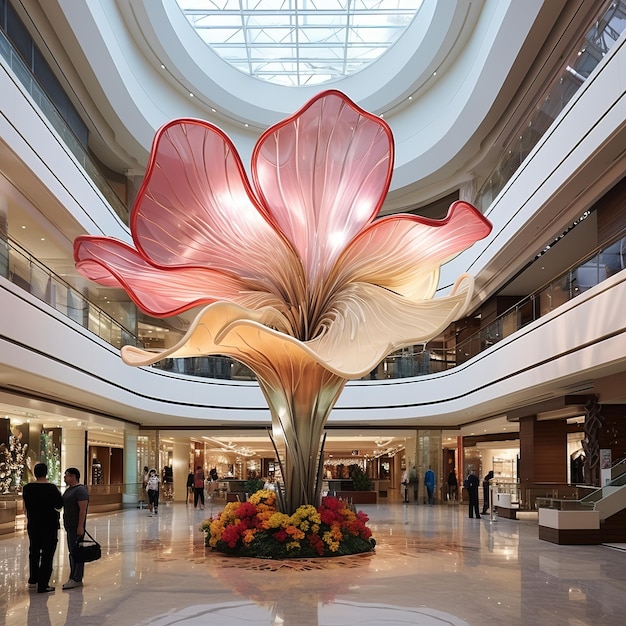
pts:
[255, 528]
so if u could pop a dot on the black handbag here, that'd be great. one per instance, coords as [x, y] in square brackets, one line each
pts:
[87, 549]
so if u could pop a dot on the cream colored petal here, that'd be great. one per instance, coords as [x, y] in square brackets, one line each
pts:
[202, 338]
[363, 326]
[367, 322]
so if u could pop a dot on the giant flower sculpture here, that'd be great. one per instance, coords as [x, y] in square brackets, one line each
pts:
[298, 280]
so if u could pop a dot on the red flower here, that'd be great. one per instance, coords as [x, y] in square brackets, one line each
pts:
[231, 535]
[246, 509]
[327, 516]
[315, 541]
[281, 535]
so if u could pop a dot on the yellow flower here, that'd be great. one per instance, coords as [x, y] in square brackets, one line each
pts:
[278, 520]
[333, 546]
[293, 545]
[263, 497]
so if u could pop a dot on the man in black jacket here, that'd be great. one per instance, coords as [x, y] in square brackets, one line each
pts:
[472, 483]
[486, 486]
[42, 501]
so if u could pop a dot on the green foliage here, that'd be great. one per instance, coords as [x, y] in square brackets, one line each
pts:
[253, 485]
[359, 479]
[49, 455]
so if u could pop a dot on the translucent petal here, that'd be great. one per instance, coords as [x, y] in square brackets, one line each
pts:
[231, 330]
[323, 175]
[159, 292]
[196, 207]
[403, 253]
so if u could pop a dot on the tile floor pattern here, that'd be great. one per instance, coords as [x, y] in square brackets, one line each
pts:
[432, 566]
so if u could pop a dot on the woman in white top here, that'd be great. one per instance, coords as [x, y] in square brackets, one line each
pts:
[153, 492]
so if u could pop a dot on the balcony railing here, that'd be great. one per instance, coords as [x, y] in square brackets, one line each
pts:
[605, 30]
[24, 270]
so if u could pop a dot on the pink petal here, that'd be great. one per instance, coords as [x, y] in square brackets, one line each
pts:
[196, 207]
[322, 175]
[403, 253]
[159, 292]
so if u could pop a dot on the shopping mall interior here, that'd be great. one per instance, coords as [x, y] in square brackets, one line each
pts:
[517, 108]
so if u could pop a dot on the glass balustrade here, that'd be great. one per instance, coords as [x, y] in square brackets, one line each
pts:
[28, 273]
[597, 42]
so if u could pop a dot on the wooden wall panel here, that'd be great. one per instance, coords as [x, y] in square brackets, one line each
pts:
[543, 451]
[611, 214]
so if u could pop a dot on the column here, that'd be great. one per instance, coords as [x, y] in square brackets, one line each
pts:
[74, 451]
[180, 467]
[132, 480]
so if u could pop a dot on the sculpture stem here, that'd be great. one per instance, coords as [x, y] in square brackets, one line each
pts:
[300, 406]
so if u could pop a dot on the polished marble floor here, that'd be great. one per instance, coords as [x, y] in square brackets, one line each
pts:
[432, 566]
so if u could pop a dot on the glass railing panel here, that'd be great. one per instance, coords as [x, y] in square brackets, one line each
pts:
[60, 295]
[600, 38]
[39, 283]
[19, 269]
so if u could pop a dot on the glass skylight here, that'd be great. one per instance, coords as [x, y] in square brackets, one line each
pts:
[299, 42]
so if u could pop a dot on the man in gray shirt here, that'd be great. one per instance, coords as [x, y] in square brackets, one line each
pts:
[75, 502]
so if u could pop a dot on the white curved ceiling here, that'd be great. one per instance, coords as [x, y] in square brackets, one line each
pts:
[440, 86]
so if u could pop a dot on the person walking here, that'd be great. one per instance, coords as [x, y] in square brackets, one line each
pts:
[168, 483]
[453, 485]
[486, 485]
[75, 504]
[153, 492]
[198, 487]
[144, 487]
[405, 485]
[471, 484]
[190, 492]
[429, 482]
[42, 502]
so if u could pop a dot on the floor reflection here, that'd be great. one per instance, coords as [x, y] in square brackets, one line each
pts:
[432, 565]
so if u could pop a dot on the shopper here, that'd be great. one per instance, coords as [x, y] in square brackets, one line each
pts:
[42, 502]
[153, 492]
[453, 485]
[405, 485]
[429, 482]
[198, 487]
[190, 491]
[486, 487]
[168, 483]
[144, 485]
[75, 504]
[471, 484]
